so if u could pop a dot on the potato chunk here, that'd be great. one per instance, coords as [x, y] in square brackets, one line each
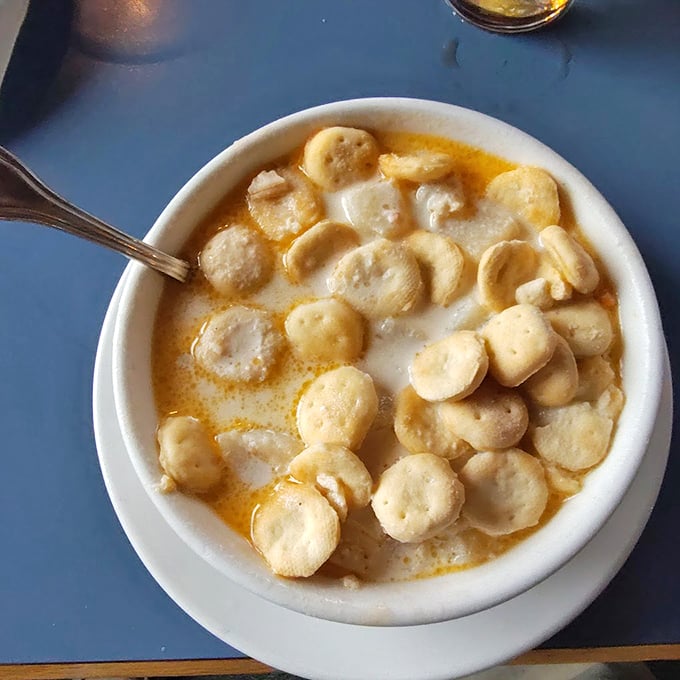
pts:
[377, 209]
[440, 200]
[258, 456]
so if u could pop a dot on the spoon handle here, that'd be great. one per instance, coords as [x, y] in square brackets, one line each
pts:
[24, 198]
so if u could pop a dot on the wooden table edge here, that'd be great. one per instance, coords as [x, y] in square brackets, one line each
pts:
[97, 669]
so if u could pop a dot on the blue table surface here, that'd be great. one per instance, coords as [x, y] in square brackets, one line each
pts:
[117, 104]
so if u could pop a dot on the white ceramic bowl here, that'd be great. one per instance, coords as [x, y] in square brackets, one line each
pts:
[426, 600]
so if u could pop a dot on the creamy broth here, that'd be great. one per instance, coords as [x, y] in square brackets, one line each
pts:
[183, 387]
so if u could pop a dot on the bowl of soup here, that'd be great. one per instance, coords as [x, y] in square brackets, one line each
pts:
[414, 371]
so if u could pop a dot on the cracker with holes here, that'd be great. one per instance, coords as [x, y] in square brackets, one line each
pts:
[338, 156]
[237, 261]
[338, 407]
[536, 292]
[426, 166]
[417, 497]
[325, 330]
[560, 289]
[595, 375]
[317, 247]
[502, 269]
[576, 437]
[420, 429]
[361, 544]
[530, 193]
[505, 491]
[561, 481]
[519, 341]
[556, 383]
[337, 473]
[188, 454]
[571, 259]
[288, 211]
[441, 264]
[240, 344]
[585, 325]
[451, 368]
[493, 417]
[379, 279]
[296, 530]
[610, 403]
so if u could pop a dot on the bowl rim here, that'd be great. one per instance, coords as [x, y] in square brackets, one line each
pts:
[331, 602]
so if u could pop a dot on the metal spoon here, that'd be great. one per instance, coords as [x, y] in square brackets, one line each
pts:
[24, 198]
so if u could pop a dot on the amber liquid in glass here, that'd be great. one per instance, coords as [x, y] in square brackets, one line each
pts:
[510, 15]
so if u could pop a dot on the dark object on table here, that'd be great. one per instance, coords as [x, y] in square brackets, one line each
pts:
[36, 59]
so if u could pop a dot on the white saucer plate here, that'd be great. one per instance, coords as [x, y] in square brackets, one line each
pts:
[325, 650]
